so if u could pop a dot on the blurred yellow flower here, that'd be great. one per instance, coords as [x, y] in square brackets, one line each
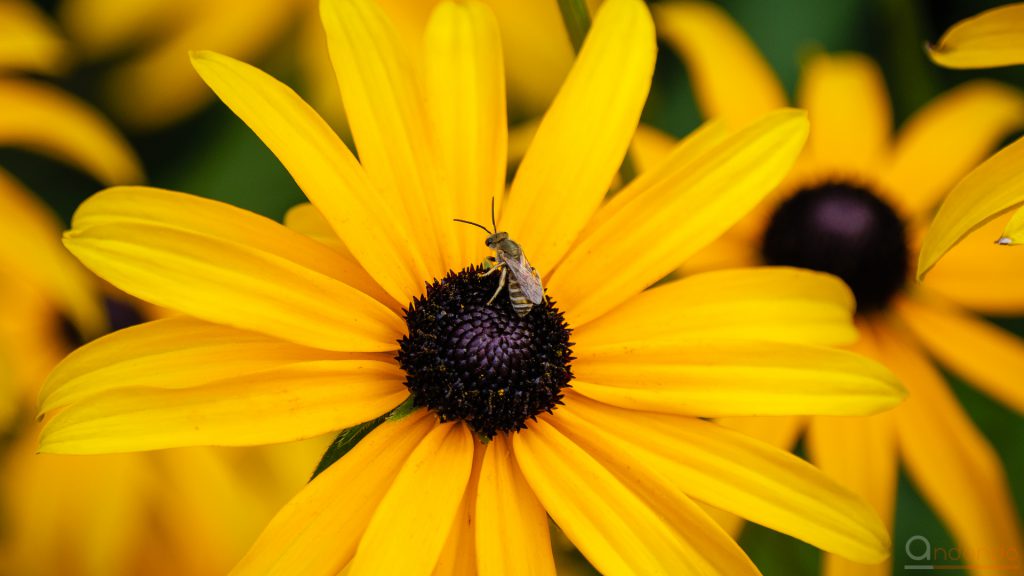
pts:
[292, 331]
[856, 204]
[189, 511]
[993, 38]
[152, 84]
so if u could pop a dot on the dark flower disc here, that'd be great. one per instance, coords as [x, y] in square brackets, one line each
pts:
[845, 230]
[120, 315]
[483, 364]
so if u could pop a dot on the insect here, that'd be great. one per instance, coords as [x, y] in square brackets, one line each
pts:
[524, 286]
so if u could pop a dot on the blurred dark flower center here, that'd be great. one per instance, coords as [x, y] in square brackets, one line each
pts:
[119, 314]
[483, 364]
[845, 230]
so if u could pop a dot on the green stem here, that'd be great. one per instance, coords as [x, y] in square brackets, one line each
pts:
[577, 20]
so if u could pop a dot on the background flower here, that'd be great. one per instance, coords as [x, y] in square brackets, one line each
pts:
[151, 86]
[187, 511]
[857, 202]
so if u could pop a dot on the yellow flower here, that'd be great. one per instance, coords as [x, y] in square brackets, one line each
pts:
[185, 511]
[287, 336]
[992, 38]
[857, 204]
[152, 85]
[40, 279]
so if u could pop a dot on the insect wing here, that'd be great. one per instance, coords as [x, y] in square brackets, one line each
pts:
[526, 275]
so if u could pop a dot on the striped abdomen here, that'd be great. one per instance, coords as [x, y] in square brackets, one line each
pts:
[520, 303]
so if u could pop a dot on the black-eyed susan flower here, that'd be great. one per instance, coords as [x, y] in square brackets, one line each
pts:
[150, 84]
[990, 39]
[856, 205]
[587, 408]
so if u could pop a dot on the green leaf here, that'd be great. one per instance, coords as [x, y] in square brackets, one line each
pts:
[349, 437]
[345, 441]
[402, 410]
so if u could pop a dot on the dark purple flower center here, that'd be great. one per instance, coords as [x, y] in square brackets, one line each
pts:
[484, 364]
[119, 314]
[845, 230]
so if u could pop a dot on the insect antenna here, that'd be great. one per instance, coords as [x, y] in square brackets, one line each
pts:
[473, 224]
[493, 223]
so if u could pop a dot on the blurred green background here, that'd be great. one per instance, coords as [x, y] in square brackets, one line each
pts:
[214, 155]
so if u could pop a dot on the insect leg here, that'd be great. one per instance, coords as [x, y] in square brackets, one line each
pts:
[493, 268]
[501, 284]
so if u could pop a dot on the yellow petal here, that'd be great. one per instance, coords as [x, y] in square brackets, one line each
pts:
[31, 251]
[767, 303]
[203, 216]
[734, 249]
[538, 54]
[1013, 233]
[520, 137]
[848, 103]
[216, 277]
[155, 88]
[741, 378]
[984, 355]
[44, 119]
[992, 38]
[980, 274]
[466, 100]
[732, 472]
[994, 187]
[281, 404]
[673, 215]
[325, 170]
[305, 219]
[29, 42]
[779, 431]
[100, 28]
[627, 522]
[390, 125]
[675, 158]
[584, 135]
[336, 506]
[459, 555]
[949, 460]
[178, 352]
[731, 79]
[860, 454]
[947, 138]
[512, 528]
[651, 146]
[409, 527]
